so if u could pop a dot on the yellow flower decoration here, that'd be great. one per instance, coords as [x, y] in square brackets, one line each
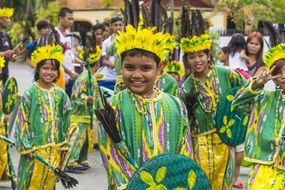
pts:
[93, 56]
[227, 126]
[6, 12]
[2, 62]
[196, 43]
[273, 55]
[175, 67]
[147, 178]
[47, 52]
[146, 39]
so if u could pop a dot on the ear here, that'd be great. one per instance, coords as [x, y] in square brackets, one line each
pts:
[159, 68]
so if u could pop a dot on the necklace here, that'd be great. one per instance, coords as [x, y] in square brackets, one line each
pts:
[48, 109]
[208, 94]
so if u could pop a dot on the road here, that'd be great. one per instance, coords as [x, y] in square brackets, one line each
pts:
[92, 179]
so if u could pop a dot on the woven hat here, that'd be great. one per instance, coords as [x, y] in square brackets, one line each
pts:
[169, 171]
[231, 123]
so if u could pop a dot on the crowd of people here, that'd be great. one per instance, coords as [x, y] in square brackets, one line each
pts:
[162, 103]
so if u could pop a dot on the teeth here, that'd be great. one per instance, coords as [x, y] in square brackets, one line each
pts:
[137, 82]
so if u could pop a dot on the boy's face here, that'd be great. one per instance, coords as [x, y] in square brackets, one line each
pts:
[5, 22]
[198, 61]
[67, 20]
[118, 26]
[99, 34]
[139, 74]
[280, 81]
[223, 57]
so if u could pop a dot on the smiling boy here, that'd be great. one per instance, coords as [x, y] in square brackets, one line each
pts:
[150, 121]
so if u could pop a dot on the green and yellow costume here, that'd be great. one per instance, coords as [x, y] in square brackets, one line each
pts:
[149, 127]
[214, 156]
[82, 138]
[265, 139]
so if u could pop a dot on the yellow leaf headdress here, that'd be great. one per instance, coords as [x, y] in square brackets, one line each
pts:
[47, 52]
[196, 43]
[145, 39]
[175, 67]
[2, 62]
[93, 56]
[273, 55]
[6, 12]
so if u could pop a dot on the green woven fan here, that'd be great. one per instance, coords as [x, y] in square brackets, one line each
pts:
[10, 94]
[231, 123]
[169, 171]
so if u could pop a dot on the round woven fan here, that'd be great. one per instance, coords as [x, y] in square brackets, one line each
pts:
[231, 122]
[169, 171]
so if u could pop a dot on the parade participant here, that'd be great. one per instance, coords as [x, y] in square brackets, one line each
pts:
[207, 83]
[7, 171]
[176, 70]
[82, 102]
[42, 122]
[264, 144]
[6, 50]
[150, 121]
[252, 54]
[65, 21]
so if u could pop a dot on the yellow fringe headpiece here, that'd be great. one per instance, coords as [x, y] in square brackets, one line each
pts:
[274, 54]
[6, 12]
[145, 39]
[175, 67]
[92, 57]
[47, 52]
[2, 62]
[196, 43]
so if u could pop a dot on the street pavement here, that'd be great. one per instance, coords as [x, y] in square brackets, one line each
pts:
[92, 179]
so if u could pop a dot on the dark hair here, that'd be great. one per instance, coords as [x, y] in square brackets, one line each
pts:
[54, 62]
[259, 37]
[106, 24]
[279, 64]
[63, 11]
[98, 26]
[140, 52]
[225, 49]
[236, 43]
[116, 19]
[42, 24]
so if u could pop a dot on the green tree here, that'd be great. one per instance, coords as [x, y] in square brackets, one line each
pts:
[27, 13]
[253, 11]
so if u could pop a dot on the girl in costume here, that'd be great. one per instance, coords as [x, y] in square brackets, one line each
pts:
[176, 70]
[149, 121]
[265, 139]
[42, 123]
[208, 82]
[7, 171]
[84, 98]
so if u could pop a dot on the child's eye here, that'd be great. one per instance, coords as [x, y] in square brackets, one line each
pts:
[129, 67]
[146, 68]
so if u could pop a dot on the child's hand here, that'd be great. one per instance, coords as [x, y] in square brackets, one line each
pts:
[6, 118]
[262, 78]
[90, 99]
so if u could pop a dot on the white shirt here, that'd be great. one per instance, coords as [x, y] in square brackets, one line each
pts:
[235, 62]
[68, 59]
